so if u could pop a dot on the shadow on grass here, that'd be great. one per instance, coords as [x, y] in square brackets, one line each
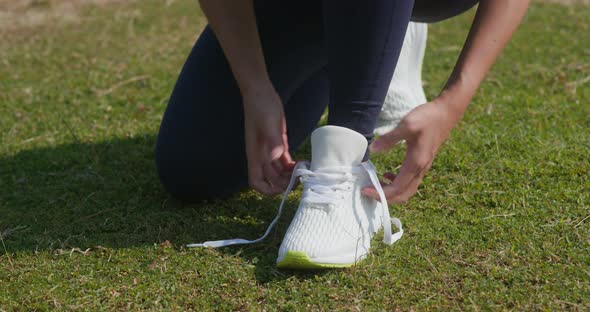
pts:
[85, 195]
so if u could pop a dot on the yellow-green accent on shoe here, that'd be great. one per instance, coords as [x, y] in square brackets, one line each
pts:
[299, 260]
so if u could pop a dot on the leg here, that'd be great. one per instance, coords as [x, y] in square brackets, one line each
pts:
[363, 45]
[200, 151]
[305, 108]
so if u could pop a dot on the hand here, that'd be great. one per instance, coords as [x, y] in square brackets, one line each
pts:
[424, 129]
[267, 150]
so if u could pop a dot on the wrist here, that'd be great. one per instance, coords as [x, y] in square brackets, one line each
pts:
[457, 94]
[255, 87]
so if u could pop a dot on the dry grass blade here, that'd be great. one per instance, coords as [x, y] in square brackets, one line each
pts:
[573, 86]
[101, 93]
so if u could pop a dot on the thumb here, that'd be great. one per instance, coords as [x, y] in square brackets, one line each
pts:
[370, 192]
[388, 140]
[286, 158]
[276, 151]
[287, 162]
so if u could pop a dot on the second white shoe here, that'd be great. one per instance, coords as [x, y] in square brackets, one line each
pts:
[334, 223]
[405, 90]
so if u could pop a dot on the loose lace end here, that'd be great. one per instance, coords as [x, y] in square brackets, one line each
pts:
[223, 243]
[388, 236]
[390, 239]
[239, 241]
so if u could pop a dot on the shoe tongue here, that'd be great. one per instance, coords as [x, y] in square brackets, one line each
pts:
[333, 146]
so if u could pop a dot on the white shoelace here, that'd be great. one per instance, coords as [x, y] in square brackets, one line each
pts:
[324, 187]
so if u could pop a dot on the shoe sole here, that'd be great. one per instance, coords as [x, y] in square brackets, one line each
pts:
[299, 260]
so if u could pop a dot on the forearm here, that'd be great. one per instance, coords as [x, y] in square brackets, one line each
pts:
[494, 24]
[234, 24]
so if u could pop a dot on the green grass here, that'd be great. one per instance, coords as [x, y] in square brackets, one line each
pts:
[501, 221]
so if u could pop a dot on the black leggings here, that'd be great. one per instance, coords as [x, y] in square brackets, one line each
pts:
[335, 53]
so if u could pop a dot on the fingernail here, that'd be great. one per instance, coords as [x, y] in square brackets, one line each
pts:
[369, 195]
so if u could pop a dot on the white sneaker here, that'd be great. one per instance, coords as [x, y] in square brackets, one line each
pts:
[405, 90]
[334, 223]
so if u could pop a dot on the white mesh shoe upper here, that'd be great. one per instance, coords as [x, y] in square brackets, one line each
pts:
[334, 223]
[405, 90]
[333, 219]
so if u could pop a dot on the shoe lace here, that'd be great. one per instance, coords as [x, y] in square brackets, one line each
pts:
[324, 187]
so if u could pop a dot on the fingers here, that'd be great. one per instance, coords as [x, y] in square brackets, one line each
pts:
[270, 175]
[401, 189]
[274, 178]
[283, 173]
[397, 192]
[274, 171]
[387, 179]
[423, 137]
[406, 183]
[270, 164]
[389, 176]
[267, 149]
[283, 166]
[287, 162]
[265, 179]
[388, 140]
[262, 176]
[256, 179]
[418, 161]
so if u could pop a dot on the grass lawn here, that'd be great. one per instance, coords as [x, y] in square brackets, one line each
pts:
[501, 222]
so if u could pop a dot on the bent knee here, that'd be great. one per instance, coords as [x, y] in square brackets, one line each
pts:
[190, 179]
